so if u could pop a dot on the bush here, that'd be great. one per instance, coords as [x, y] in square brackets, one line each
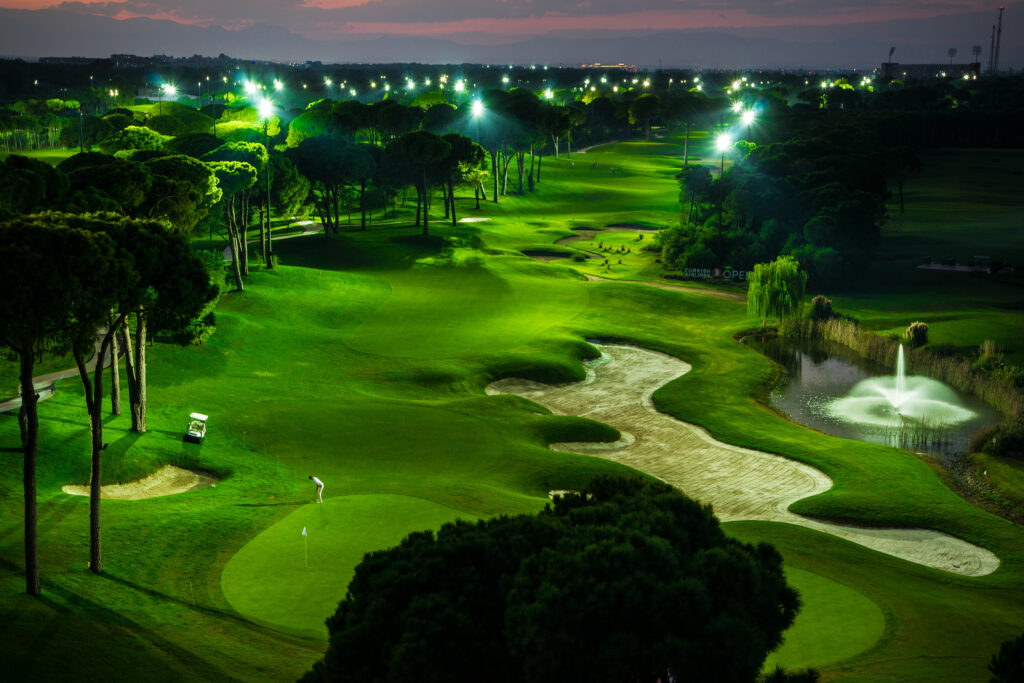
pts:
[916, 334]
[1005, 440]
[1007, 665]
[821, 308]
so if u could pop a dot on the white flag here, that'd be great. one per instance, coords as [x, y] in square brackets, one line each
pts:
[303, 531]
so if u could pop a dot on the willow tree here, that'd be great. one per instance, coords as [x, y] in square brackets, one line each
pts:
[776, 290]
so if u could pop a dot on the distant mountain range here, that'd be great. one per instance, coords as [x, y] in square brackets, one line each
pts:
[39, 33]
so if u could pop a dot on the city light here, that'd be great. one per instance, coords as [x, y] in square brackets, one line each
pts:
[548, 94]
[460, 85]
[250, 87]
[278, 85]
[737, 107]
[748, 117]
[478, 107]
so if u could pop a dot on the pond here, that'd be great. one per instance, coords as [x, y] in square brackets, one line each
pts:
[830, 388]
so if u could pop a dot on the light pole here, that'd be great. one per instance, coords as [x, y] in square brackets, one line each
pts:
[723, 143]
[266, 111]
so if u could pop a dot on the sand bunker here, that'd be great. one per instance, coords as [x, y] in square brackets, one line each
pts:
[740, 483]
[165, 482]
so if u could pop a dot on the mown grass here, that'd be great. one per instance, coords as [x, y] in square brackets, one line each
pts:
[362, 359]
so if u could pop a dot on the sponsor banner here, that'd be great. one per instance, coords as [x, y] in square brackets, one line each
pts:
[715, 274]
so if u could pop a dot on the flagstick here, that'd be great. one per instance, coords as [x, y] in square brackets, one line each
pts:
[305, 547]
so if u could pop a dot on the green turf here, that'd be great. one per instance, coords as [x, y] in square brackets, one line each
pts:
[293, 582]
[362, 359]
[835, 623]
[50, 156]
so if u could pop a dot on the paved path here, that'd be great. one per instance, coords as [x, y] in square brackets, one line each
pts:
[46, 385]
[740, 483]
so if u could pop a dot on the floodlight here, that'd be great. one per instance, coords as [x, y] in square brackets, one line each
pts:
[723, 142]
[478, 107]
[266, 109]
[748, 117]
[737, 107]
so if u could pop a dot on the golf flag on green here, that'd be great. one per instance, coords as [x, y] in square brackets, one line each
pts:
[303, 531]
[305, 546]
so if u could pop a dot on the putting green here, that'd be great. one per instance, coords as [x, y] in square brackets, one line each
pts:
[835, 623]
[268, 580]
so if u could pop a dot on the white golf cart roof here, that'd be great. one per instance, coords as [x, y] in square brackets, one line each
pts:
[199, 416]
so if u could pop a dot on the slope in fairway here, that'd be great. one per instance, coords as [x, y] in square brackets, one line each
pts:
[835, 623]
[268, 580]
[446, 311]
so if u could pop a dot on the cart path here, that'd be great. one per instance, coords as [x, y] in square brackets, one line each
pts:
[740, 483]
[46, 385]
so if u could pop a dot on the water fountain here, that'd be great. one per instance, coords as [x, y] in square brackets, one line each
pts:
[898, 401]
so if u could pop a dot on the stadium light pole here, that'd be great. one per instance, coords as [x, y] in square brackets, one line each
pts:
[723, 143]
[266, 110]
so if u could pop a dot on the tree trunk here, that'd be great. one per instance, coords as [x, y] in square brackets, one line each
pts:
[554, 142]
[263, 238]
[494, 172]
[451, 199]
[244, 235]
[362, 203]
[419, 203]
[507, 161]
[521, 168]
[129, 369]
[233, 244]
[426, 195]
[686, 147]
[115, 379]
[94, 405]
[540, 159]
[29, 448]
[139, 407]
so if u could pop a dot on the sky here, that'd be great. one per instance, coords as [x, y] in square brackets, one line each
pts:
[324, 19]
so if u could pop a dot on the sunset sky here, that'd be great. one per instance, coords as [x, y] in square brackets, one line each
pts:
[326, 18]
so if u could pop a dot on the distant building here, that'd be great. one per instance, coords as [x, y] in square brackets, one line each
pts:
[631, 68]
[919, 72]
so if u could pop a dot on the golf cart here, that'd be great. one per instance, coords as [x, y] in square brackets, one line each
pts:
[196, 428]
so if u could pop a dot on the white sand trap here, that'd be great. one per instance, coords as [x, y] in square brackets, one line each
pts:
[473, 219]
[740, 483]
[164, 482]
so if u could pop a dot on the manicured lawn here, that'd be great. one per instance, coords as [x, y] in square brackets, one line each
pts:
[281, 577]
[362, 359]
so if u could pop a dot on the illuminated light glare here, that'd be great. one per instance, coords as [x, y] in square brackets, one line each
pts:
[327, 82]
[615, 88]
[723, 142]
[278, 85]
[748, 117]
[250, 87]
[737, 84]
[593, 88]
[604, 79]
[373, 84]
[548, 94]
[426, 82]
[647, 84]
[266, 109]
[478, 107]
[824, 84]
[737, 107]
[387, 87]
[352, 92]
[460, 85]
[504, 79]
